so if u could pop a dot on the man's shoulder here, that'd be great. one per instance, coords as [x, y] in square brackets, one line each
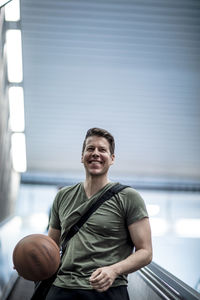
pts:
[129, 191]
[66, 191]
[129, 195]
[69, 188]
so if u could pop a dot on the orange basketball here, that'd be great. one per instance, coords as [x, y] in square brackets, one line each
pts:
[36, 257]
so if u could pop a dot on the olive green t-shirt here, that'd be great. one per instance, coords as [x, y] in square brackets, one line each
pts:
[103, 240]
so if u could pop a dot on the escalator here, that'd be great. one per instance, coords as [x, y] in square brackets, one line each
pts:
[22, 290]
[150, 283]
[153, 283]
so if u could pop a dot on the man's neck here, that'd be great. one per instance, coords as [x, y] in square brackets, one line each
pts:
[94, 184]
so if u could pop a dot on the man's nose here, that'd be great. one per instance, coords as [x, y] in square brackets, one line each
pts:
[95, 152]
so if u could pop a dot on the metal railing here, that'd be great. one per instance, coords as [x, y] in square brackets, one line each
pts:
[166, 285]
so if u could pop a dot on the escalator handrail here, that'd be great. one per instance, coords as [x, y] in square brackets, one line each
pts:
[160, 287]
[158, 277]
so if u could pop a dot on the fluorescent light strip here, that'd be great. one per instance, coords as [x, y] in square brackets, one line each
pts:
[12, 11]
[38, 222]
[159, 226]
[18, 149]
[153, 209]
[189, 228]
[3, 2]
[14, 55]
[16, 104]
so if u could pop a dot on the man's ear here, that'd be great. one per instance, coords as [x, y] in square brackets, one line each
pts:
[113, 158]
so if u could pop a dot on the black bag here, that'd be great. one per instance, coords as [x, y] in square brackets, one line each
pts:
[42, 287]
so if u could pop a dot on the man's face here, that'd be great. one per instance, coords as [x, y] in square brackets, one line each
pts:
[96, 156]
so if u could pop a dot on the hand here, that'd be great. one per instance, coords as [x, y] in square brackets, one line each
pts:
[103, 278]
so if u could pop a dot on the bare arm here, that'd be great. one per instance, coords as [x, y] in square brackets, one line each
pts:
[55, 235]
[141, 236]
[140, 233]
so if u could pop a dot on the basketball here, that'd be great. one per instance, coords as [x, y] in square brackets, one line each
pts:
[36, 257]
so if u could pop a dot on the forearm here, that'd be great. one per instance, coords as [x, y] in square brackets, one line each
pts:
[55, 235]
[104, 277]
[134, 262]
[140, 233]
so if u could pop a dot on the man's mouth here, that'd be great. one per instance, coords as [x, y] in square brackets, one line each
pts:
[95, 162]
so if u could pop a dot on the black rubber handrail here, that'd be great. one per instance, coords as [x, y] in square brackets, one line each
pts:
[166, 285]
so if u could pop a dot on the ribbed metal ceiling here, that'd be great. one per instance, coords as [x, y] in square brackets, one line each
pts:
[132, 67]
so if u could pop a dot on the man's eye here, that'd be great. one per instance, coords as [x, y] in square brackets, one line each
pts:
[103, 150]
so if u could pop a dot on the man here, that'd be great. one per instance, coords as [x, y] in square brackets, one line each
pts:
[99, 257]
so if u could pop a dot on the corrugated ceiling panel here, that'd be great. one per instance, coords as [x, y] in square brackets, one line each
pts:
[132, 67]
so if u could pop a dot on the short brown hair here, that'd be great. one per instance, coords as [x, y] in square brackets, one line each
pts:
[102, 133]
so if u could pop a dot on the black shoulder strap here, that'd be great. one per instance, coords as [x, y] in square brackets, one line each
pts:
[75, 228]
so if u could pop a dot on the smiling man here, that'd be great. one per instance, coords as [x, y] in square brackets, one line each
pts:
[115, 240]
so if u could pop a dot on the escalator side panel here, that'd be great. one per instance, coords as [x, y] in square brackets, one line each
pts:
[139, 289]
[22, 290]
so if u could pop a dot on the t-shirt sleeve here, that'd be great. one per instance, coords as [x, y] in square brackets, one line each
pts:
[135, 208]
[54, 219]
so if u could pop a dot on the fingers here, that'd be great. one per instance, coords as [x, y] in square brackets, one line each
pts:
[101, 287]
[101, 279]
[95, 274]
